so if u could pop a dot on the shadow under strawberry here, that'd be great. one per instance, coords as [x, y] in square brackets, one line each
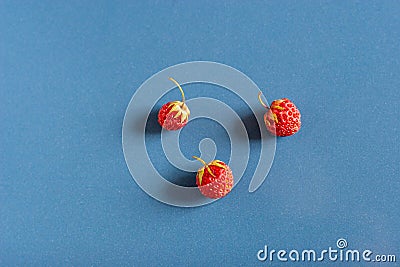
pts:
[152, 126]
[251, 124]
[188, 197]
[183, 179]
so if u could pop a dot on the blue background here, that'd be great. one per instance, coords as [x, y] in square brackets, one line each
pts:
[68, 71]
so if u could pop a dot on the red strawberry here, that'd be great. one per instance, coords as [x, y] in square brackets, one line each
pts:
[282, 118]
[174, 115]
[215, 179]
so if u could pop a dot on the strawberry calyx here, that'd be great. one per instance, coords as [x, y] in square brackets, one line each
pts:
[179, 107]
[181, 110]
[206, 166]
[275, 105]
[278, 107]
[272, 116]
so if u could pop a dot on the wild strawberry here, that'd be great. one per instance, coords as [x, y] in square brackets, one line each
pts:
[215, 179]
[282, 118]
[174, 115]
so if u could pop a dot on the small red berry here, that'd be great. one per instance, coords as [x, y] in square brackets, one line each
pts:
[282, 117]
[174, 115]
[215, 179]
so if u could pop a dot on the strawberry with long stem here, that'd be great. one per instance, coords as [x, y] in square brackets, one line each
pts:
[174, 115]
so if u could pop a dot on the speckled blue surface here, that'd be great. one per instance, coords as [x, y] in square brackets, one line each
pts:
[68, 71]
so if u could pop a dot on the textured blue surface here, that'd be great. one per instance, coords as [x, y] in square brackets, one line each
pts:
[68, 71]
